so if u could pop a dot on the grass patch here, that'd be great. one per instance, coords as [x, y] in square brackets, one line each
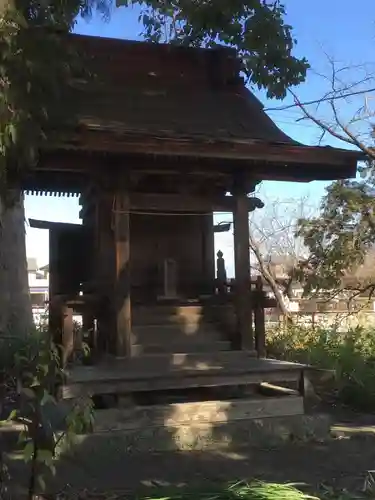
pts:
[256, 490]
[242, 491]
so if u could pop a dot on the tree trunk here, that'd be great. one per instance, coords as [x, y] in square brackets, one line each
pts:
[267, 275]
[16, 316]
[15, 305]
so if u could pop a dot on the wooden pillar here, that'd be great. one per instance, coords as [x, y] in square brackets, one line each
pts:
[244, 338]
[259, 320]
[54, 311]
[208, 253]
[67, 334]
[121, 227]
[104, 271]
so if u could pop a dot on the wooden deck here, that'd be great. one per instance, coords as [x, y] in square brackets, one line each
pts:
[159, 372]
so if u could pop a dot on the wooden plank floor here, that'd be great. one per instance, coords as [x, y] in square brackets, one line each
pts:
[177, 371]
[149, 365]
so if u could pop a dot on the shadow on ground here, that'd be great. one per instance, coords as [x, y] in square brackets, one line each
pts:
[105, 464]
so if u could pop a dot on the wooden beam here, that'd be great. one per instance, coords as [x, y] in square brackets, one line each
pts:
[263, 161]
[208, 251]
[122, 285]
[340, 163]
[184, 203]
[153, 382]
[259, 320]
[244, 338]
[45, 224]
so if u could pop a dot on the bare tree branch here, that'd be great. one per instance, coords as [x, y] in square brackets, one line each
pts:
[269, 277]
[272, 236]
[339, 89]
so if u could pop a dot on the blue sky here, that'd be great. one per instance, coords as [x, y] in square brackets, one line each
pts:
[342, 29]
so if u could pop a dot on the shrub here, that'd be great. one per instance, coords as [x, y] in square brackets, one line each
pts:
[351, 355]
[29, 372]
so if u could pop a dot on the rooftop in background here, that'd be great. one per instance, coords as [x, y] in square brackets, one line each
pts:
[32, 264]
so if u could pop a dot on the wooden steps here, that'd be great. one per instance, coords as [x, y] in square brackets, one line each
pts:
[167, 328]
[177, 348]
[177, 371]
[162, 314]
[181, 346]
[168, 333]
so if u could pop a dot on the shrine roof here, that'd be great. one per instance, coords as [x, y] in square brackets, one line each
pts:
[141, 87]
[161, 99]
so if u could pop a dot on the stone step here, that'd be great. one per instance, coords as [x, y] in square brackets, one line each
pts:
[193, 363]
[169, 309]
[170, 315]
[159, 319]
[204, 413]
[227, 429]
[161, 334]
[182, 347]
[167, 364]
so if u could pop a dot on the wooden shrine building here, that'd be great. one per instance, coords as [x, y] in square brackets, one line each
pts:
[160, 136]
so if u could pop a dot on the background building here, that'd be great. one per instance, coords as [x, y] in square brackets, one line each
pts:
[38, 283]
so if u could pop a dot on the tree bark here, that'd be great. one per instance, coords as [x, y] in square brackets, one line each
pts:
[15, 305]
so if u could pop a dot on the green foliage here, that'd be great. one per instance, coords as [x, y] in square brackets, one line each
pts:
[36, 68]
[30, 371]
[36, 65]
[256, 28]
[256, 490]
[351, 355]
[31, 92]
[339, 239]
[268, 491]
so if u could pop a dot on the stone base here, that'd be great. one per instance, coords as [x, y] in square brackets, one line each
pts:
[209, 425]
[265, 432]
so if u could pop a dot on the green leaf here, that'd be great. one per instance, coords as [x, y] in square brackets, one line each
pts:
[12, 132]
[12, 415]
[29, 393]
[28, 375]
[28, 451]
[45, 456]
[35, 383]
[41, 482]
[47, 398]
[22, 437]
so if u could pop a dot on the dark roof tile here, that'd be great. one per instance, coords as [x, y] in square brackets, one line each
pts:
[142, 87]
[219, 115]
